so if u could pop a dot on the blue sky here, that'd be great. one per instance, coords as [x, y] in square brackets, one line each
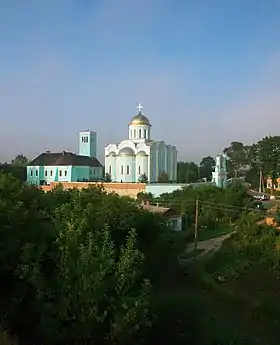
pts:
[206, 71]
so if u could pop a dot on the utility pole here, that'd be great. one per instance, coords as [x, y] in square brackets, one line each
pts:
[260, 183]
[196, 228]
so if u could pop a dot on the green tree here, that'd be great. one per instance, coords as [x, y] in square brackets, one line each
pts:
[187, 172]
[206, 167]
[78, 264]
[143, 178]
[266, 156]
[20, 159]
[107, 178]
[163, 177]
[238, 155]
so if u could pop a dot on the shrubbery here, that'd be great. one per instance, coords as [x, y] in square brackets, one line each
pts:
[78, 266]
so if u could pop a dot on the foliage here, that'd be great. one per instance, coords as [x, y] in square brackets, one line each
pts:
[163, 177]
[187, 172]
[18, 171]
[78, 265]
[20, 159]
[143, 178]
[238, 156]
[206, 167]
[216, 206]
[107, 178]
[142, 196]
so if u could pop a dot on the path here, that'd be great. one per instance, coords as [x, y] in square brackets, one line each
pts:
[211, 245]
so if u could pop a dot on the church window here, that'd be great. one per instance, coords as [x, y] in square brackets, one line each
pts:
[139, 170]
[31, 172]
[145, 133]
[127, 169]
[122, 170]
[134, 133]
[65, 173]
[140, 133]
[51, 172]
[110, 169]
[36, 172]
[60, 172]
[46, 172]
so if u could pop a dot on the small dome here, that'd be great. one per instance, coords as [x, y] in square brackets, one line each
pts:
[126, 151]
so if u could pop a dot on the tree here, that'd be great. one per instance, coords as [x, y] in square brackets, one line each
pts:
[163, 177]
[78, 264]
[238, 157]
[20, 159]
[107, 178]
[143, 178]
[206, 166]
[266, 156]
[187, 172]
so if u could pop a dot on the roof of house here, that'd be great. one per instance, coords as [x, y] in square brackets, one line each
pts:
[156, 208]
[64, 158]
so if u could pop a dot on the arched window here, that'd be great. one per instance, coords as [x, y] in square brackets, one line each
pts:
[140, 133]
[127, 170]
[145, 133]
[134, 133]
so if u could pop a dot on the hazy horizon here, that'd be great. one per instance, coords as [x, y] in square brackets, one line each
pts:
[206, 72]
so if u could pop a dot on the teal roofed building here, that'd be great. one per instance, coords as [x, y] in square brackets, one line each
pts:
[67, 166]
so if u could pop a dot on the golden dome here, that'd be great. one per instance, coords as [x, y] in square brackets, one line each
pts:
[140, 119]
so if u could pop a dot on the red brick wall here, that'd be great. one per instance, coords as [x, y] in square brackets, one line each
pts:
[128, 189]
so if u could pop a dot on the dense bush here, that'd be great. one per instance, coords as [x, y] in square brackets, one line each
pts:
[216, 206]
[78, 266]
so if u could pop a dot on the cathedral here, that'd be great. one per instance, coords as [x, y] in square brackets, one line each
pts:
[140, 158]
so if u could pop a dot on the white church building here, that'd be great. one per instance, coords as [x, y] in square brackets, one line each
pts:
[139, 155]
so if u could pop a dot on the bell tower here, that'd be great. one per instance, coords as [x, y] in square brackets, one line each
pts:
[88, 143]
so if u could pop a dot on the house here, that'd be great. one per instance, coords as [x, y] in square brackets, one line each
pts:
[66, 166]
[175, 221]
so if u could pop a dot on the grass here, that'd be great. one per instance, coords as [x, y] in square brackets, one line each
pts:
[207, 234]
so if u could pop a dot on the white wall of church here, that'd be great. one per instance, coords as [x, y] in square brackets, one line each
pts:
[142, 166]
[125, 168]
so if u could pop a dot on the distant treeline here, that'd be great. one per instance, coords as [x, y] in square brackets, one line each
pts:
[16, 170]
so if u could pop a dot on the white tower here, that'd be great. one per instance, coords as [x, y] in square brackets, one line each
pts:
[219, 175]
[139, 128]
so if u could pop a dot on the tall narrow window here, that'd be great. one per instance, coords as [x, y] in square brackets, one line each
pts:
[110, 169]
[51, 172]
[65, 173]
[134, 133]
[31, 172]
[139, 170]
[46, 172]
[36, 172]
[140, 134]
[145, 133]
[60, 172]
[127, 169]
[122, 170]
